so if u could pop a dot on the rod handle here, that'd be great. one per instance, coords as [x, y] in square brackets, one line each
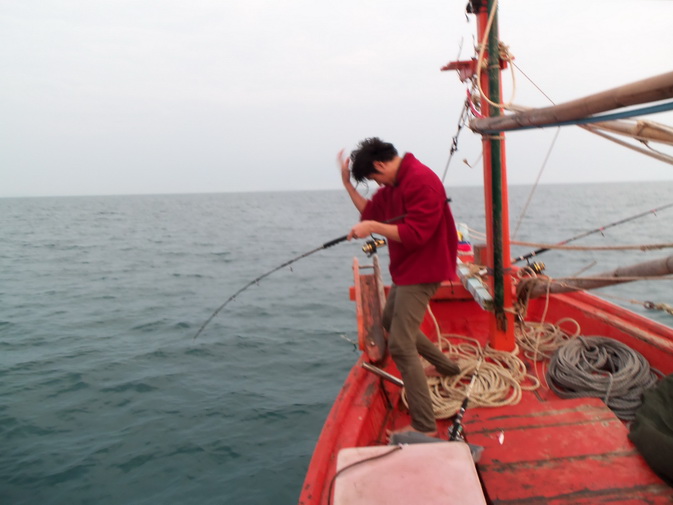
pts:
[334, 242]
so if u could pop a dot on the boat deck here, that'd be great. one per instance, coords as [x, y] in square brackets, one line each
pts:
[561, 452]
[540, 450]
[548, 450]
[552, 451]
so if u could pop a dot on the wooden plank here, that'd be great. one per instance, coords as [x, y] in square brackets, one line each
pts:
[368, 309]
[524, 417]
[551, 475]
[650, 495]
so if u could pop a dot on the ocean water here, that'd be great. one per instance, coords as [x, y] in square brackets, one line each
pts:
[106, 398]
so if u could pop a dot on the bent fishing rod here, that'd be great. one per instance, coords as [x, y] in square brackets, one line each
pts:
[369, 248]
[591, 232]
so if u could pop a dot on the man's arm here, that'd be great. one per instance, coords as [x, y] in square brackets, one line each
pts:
[359, 201]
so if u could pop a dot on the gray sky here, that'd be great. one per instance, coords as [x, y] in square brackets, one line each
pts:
[168, 96]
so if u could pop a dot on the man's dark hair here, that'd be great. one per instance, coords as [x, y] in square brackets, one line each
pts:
[367, 152]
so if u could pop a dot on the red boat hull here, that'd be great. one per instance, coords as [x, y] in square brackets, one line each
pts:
[570, 451]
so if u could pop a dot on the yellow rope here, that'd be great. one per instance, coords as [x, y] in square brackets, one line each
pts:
[502, 375]
[659, 306]
[664, 307]
[504, 55]
[540, 340]
[501, 379]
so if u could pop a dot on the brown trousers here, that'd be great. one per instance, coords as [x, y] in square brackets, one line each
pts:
[402, 317]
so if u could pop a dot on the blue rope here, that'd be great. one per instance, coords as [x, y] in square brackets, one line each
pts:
[652, 109]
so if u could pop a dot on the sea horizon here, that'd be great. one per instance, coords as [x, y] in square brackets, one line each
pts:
[308, 190]
[107, 398]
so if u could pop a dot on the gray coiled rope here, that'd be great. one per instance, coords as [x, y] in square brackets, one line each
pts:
[603, 368]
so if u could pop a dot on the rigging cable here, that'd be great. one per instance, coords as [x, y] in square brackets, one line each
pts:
[461, 121]
[454, 140]
[533, 83]
[537, 181]
[591, 128]
[544, 163]
[653, 153]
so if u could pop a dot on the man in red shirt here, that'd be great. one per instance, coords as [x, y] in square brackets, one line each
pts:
[423, 250]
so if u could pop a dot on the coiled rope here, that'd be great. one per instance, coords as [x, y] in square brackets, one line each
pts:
[578, 367]
[540, 340]
[603, 368]
[502, 376]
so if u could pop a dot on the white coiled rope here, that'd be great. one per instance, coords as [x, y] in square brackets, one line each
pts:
[540, 340]
[501, 379]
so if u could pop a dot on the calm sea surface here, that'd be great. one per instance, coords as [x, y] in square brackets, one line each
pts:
[105, 398]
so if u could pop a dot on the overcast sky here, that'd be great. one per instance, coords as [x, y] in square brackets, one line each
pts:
[169, 96]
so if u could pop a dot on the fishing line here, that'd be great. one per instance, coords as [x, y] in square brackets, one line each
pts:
[288, 263]
[256, 280]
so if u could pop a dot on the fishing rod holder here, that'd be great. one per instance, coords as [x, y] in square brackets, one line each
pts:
[371, 246]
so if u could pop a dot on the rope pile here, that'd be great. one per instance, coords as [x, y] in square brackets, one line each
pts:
[603, 368]
[501, 379]
[540, 340]
[578, 366]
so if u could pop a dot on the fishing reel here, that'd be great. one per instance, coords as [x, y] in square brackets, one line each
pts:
[535, 268]
[371, 246]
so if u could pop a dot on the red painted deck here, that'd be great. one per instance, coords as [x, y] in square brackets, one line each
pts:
[561, 452]
[553, 451]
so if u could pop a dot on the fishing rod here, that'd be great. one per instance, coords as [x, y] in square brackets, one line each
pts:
[587, 233]
[256, 280]
[369, 248]
[457, 428]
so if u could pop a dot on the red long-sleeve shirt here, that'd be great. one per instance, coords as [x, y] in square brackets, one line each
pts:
[428, 248]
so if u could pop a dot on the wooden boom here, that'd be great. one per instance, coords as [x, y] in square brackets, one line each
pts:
[655, 268]
[648, 90]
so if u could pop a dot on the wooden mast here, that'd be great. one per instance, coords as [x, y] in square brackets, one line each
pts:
[495, 185]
